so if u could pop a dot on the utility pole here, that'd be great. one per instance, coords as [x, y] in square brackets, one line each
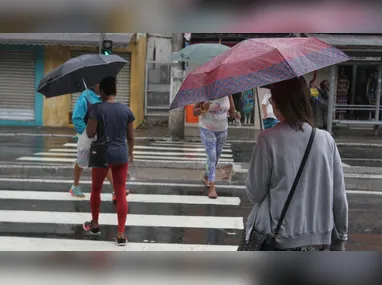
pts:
[102, 37]
[176, 116]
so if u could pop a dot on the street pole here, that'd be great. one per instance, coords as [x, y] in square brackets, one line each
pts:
[102, 37]
[259, 109]
[176, 116]
[332, 97]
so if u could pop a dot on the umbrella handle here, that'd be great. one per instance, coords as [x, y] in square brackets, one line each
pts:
[84, 84]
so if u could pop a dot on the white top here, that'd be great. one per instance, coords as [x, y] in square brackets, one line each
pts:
[216, 119]
[265, 102]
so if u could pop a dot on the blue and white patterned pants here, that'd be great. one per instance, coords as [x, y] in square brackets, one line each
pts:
[213, 143]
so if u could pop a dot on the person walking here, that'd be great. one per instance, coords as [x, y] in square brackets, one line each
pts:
[317, 217]
[269, 118]
[213, 125]
[323, 100]
[80, 119]
[118, 121]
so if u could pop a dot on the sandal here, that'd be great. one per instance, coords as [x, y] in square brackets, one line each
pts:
[212, 192]
[205, 181]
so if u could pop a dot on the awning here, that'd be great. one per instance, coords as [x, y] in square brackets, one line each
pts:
[349, 40]
[66, 39]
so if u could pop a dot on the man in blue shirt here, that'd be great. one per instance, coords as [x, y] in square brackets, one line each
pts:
[80, 120]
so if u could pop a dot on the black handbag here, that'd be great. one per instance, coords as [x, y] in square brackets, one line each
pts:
[98, 148]
[261, 241]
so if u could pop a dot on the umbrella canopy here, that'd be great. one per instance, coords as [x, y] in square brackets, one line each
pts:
[78, 73]
[255, 63]
[199, 53]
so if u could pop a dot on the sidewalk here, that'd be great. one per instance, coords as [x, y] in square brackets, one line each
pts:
[343, 136]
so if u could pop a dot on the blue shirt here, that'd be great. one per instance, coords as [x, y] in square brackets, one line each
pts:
[81, 109]
[117, 116]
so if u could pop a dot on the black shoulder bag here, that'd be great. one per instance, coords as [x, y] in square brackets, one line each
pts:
[260, 241]
[98, 148]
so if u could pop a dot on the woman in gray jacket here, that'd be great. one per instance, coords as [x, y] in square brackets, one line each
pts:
[317, 218]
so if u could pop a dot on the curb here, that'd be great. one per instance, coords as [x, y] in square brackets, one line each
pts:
[356, 178]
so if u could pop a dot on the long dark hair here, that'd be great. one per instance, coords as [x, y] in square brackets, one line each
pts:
[292, 99]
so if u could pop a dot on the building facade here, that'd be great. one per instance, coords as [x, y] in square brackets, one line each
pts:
[356, 84]
[26, 58]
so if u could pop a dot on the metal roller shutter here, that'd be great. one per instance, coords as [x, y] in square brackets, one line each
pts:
[123, 79]
[17, 85]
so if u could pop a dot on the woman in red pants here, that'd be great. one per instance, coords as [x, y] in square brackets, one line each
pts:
[118, 120]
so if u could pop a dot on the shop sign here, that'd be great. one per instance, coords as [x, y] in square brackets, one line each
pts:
[366, 58]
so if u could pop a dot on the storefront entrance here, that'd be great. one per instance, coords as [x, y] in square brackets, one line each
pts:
[357, 91]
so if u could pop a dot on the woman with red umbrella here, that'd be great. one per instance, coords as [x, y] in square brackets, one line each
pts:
[295, 180]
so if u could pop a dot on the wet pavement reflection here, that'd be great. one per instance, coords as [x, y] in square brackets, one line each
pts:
[365, 217]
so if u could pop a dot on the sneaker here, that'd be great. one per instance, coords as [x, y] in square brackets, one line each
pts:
[88, 227]
[75, 191]
[114, 198]
[121, 241]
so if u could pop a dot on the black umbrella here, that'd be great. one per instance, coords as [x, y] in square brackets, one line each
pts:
[79, 73]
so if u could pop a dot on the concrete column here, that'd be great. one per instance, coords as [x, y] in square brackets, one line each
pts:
[102, 37]
[332, 97]
[176, 116]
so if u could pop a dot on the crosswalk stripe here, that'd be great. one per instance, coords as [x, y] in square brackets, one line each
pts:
[201, 149]
[149, 153]
[46, 159]
[48, 244]
[187, 144]
[157, 156]
[135, 183]
[183, 145]
[176, 148]
[72, 160]
[141, 198]
[71, 218]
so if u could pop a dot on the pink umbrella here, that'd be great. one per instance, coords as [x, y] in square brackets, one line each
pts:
[254, 63]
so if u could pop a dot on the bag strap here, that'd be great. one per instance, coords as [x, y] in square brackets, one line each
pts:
[99, 111]
[294, 186]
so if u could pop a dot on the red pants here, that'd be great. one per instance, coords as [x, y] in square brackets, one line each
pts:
[119, 177]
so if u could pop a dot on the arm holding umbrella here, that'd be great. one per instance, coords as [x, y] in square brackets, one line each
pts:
[232, 110]
[79, 114]
[201, 108]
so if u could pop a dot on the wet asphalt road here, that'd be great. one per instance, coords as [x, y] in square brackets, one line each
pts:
[365, 217]
[12, 148]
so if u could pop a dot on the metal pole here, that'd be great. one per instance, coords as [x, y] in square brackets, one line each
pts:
[378, 95]
[378, 99]
[102, 37]
[259, 109]
[146, 85]
[353, 87]
[333, 83]
[176, 117]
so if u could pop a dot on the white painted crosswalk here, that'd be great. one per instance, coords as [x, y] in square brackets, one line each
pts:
[36, 217]
[156, 151]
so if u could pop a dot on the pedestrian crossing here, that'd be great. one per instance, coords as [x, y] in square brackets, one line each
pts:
[40, 215]
[161, 151]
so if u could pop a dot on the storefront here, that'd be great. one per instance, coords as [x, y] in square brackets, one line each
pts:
[355, 85]
[25, 58]
[21, 68]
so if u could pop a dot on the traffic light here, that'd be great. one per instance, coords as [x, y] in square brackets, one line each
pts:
[107, 47]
